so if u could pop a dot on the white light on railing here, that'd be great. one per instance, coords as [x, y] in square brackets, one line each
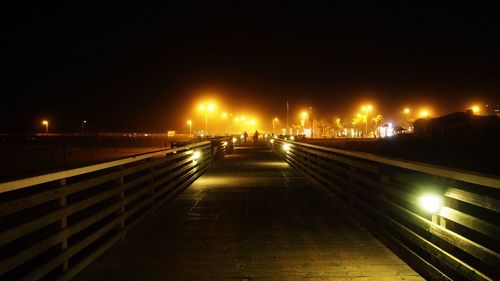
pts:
[286, 147]
[432, 203]
[196, 155]
[271, 141]
[224, 143]
[235, 139]
[292, 138]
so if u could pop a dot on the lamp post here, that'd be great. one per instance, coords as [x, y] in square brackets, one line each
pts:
[84, 122]
[303, 121]
[46, 124]
[312, 120]
[275, 119]
[205, 109]
[190, 123]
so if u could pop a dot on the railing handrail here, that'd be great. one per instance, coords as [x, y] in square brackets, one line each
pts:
[456, 174]
[40, 179]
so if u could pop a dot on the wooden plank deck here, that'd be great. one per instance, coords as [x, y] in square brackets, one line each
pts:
[250, 217]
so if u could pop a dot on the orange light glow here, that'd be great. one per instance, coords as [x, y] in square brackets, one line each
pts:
[475, 109]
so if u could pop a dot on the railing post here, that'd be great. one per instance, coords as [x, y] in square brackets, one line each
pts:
[64, 221]
[151, 181]
[121, 197]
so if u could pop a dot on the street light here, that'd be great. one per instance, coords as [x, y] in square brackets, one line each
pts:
[475, 109]
[190, 123]
[275, 119]
[84, 122]
[205, 109]
[46, 124]
[424, 113]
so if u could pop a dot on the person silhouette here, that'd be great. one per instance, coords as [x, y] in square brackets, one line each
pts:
[245, 135]
[256, 136]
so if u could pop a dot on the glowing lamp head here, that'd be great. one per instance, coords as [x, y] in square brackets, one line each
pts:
[304, 115]
[202, 107]
[271, 141]
[189, 122]
[235, 139]
[45, 122]
[406, 111]
[475, 109]
[196, 155]
[242, 137]
[432, 203]
[211, 107]
[424, 113]
[292, 138]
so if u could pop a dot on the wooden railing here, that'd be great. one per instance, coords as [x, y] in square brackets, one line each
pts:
[53, 225]
[458, 241]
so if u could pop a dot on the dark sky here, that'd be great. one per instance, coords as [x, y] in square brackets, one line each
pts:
[138, 67]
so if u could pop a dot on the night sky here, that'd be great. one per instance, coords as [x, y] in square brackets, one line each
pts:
[142, 67]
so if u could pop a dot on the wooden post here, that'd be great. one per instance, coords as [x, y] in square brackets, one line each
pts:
[121, 213]
[64, 222]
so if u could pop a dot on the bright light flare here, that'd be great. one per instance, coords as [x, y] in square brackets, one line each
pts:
[196, 155]
[432, 203]
[292, 138]
[271, 141]
[424, 113]
[406, 110]
[235, 139]
[286, 147]
[366, 108]
[45, 122]
[475, 109]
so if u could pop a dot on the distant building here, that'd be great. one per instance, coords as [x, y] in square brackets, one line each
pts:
[458, 124]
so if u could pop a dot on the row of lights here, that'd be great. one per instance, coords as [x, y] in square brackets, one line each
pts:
[45, 123]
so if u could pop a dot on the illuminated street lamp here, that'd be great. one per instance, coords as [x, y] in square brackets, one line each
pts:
[475, 109]
[424, 113]
[227, 116]
[84, 122]
[46, 124]
[406, 111]
[303, 120]
[275, 119]
[205, 109]
[190, 123]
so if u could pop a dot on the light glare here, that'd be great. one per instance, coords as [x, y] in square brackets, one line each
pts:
[196, 155]
[431, 203]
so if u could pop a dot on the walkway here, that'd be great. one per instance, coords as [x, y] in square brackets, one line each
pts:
[250, 217]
